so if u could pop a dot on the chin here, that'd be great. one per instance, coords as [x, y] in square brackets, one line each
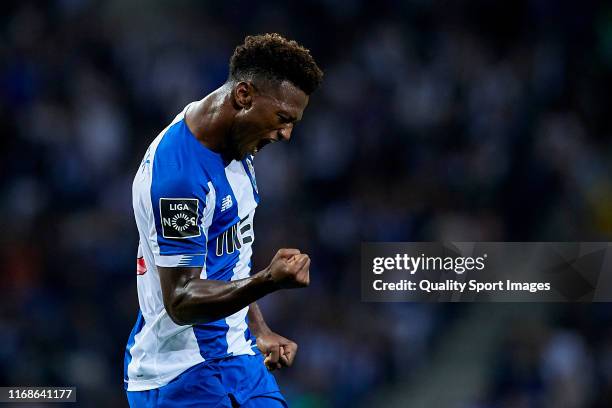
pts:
[242, 156]
[248, 152]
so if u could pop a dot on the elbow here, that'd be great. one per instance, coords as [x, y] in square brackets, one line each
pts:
[183, 310]
[177, 303]
[182, 300]
[175, 310]
[179, 306]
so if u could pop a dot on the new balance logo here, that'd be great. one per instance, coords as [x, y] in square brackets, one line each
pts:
[226, 203]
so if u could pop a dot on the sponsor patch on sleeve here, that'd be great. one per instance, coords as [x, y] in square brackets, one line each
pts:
[179, 217]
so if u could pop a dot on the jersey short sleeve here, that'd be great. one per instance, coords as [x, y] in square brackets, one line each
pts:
[179, 208]
[174, 200]
[182, 203]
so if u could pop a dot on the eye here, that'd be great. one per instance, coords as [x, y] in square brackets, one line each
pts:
[282, 118]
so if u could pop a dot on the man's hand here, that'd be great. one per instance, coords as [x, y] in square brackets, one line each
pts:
[279, 351]
[290, 269]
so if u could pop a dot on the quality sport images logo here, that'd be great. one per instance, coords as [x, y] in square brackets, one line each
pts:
[179, 217]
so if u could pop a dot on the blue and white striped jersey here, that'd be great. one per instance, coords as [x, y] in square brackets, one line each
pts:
[191, 209]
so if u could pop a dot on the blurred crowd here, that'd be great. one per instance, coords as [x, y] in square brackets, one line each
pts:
[436, 121]
[566, 363]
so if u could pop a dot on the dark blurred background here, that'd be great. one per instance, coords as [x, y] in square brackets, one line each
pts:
[437, 120]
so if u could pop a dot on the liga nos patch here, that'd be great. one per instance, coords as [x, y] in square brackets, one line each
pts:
[179, 217]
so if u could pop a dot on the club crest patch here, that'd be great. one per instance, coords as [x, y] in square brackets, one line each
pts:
[179, 217]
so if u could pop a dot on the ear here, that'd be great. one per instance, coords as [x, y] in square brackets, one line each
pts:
[243, 95]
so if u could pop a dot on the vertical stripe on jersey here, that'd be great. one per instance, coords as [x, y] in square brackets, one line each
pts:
[211, 337]
[241, 184]
[211, 198]
[131, 340]
[146, 197]
[248, 336]
[220, 264]
[250, 171]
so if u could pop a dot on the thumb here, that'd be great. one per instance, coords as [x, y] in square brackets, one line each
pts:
[273, 355]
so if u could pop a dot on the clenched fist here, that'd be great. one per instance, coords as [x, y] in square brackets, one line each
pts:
[290, 269]
[279, 351]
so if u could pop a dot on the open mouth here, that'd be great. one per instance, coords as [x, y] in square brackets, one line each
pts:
[263, 142]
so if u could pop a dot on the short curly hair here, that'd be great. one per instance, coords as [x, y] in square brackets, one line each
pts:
[272, 56]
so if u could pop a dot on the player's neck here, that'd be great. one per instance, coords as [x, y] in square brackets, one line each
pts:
[209, 119]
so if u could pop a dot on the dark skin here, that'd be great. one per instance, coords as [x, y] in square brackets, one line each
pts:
[238, 119]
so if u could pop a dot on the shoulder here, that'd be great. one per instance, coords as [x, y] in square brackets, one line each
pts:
[172, 149]
[178, 163]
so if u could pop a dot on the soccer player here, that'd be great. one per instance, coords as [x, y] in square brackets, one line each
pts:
[200, 339]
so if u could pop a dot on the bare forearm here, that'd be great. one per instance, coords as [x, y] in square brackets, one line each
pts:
[257, 324]
[191, 300]
[203, 300]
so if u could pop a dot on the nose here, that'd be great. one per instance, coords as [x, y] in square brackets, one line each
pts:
[284, 134]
